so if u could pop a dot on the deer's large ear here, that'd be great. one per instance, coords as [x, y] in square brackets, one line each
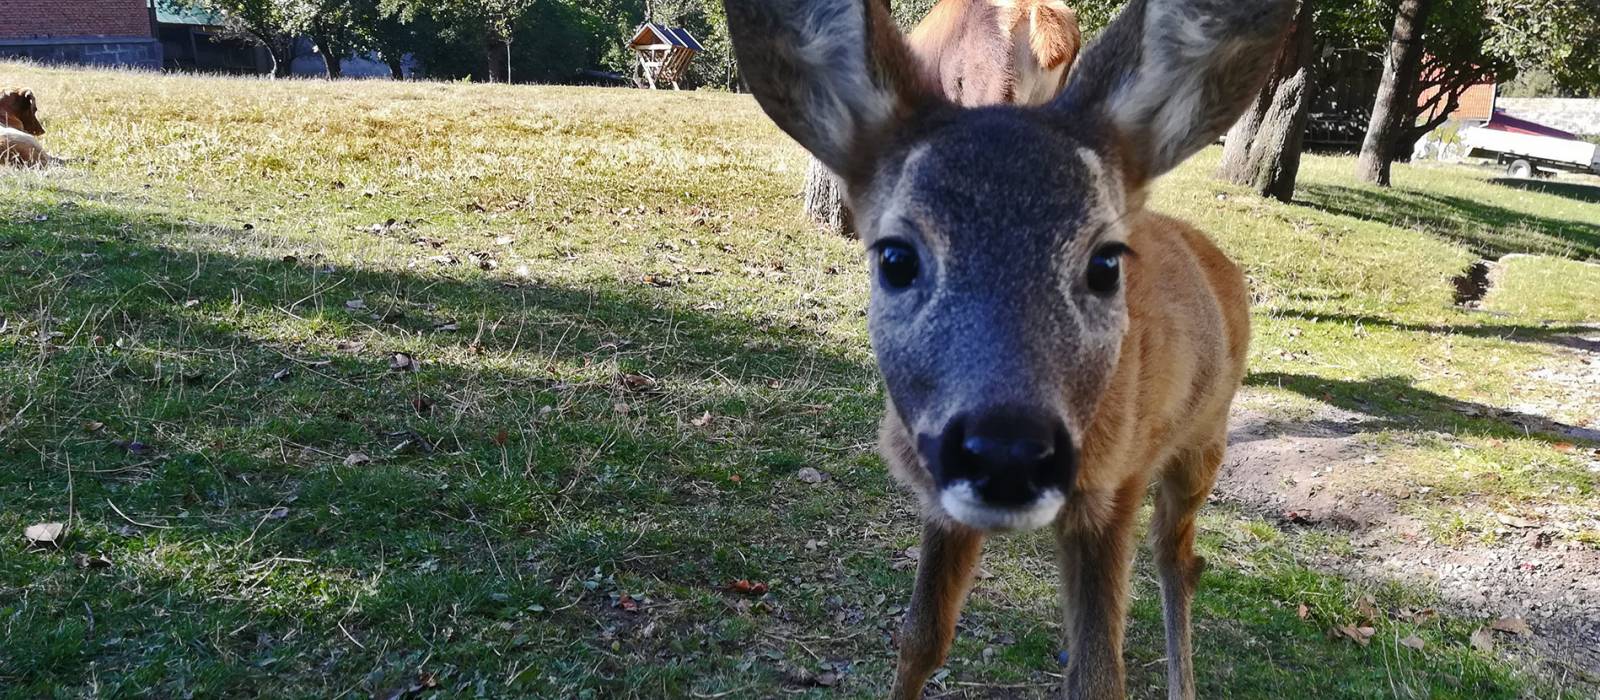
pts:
[1172, 75]
[833, 74]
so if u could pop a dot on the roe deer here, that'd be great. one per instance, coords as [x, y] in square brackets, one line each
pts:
[1049, 347]
[19, 124]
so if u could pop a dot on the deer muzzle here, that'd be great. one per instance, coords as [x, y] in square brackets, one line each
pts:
[1002, 469]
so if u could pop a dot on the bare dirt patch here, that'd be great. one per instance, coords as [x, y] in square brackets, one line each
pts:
[1327, 471]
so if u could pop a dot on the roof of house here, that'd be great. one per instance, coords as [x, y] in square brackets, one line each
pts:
[653, 33]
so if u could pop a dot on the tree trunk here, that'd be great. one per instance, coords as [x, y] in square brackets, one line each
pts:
[1276, 151]
[1400, 64]
[397, 68]
[824, 201]
[494, 54]
[1236, 167]
[330, 58]
[282, 59]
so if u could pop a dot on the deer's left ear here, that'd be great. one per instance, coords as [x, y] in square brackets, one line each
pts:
[1172, 75]
[834, 74]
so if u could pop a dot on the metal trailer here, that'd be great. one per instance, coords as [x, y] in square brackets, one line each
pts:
[1530, 154]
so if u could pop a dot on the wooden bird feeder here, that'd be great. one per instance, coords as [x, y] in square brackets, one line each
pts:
[664, 53]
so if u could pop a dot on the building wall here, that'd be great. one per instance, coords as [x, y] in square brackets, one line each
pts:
[1580, 117]
[39, 19]
[103, 32]
[1476, 105]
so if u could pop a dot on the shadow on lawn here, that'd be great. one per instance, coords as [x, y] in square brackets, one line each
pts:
[1563, 335]
[265, 561]
[1482, 226]
[1394, 403]
[1570, 190]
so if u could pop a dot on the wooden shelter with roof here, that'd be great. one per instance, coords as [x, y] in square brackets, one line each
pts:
[664, 53]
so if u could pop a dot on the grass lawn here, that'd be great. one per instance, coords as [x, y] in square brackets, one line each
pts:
[363, 388]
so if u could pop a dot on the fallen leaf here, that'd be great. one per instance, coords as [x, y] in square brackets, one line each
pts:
[811, 476]
[638, 382]
[1514, 521]
[281, 374]
[501, 437]
[448, 326]
[93, 426]
[1413, 642]
[1512, 625]
[747, 587]
[827, 679]
[1303, 612]
[422, 405]
[1367, 607]
[357, 459]
[44, 533]
[703, 421]
[403, 362]
[278, 513]
[504, 240]
[1483, 640]
[626, 602]
[98, 561]
[1359, 635]
[356, 304]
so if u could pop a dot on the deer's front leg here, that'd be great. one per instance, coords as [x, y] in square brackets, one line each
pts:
[944, 572]
[1093, 543]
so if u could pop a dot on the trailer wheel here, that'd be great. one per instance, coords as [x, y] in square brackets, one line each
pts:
[1519, 168]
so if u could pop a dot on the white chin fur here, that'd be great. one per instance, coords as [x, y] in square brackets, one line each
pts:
[962, 503]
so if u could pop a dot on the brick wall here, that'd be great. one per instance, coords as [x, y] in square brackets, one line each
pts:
[1477, 103]
[41, 19]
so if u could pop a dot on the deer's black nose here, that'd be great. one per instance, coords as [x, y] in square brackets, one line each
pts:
[1009, 456]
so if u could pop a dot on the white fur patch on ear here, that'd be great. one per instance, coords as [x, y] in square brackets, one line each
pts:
[1198, 61]
[843, 100]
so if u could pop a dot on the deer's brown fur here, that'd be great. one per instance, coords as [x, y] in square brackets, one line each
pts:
[19, 124]
[1050, 347]
[988, 52]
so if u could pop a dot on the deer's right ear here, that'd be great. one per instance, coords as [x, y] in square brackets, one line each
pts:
[1172, 75]
[834, 74]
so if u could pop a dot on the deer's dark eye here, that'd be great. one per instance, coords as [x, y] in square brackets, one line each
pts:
[897, 264]
[1105, 268]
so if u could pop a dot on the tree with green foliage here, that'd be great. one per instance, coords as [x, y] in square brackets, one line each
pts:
[272, 24]
[1558, 38]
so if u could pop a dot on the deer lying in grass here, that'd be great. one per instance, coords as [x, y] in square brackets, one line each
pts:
[19, 124]
[1049, 346]
[978, 53]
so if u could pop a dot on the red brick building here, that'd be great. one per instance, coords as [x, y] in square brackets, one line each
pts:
[102, 32]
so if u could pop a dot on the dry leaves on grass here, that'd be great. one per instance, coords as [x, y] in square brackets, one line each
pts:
[748, 587]
[1358, 634]
[636, 382]
[357, 459]
[45, 534]
[1512, 625]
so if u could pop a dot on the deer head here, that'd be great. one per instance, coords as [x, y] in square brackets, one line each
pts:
[996, 236]
[19, 110]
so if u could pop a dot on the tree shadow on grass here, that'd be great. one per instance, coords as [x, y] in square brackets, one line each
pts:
[1395, 403]
[1570, 190]
[1490, 231]
[1562, 335]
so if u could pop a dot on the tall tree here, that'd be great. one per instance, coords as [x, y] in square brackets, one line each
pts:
[1263, 147]
[271, 24]
[1395, 96]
